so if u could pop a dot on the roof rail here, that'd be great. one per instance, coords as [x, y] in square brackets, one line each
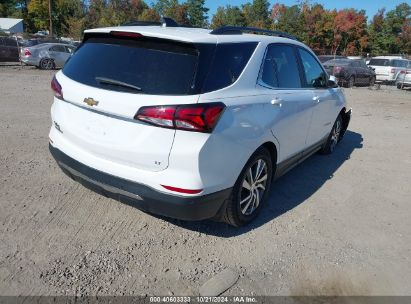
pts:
[236, 30]
[164, 21]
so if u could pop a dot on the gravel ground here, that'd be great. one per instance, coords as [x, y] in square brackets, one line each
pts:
[334, 225]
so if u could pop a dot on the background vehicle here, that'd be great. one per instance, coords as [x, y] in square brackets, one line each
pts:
[157, 127]
[350, 72]
[9, 50]
[387, 68]
[47, 55]
[404, 78]
[325, 58]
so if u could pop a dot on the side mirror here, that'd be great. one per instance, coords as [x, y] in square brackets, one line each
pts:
[332, 82]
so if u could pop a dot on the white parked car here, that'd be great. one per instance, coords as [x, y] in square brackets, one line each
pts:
[388, 68]
[191, 123]
[404, 79]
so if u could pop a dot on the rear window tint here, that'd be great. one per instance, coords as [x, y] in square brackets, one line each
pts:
[157, 66]
[380, 62]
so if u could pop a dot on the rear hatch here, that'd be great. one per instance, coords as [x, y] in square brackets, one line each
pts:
[105, 83]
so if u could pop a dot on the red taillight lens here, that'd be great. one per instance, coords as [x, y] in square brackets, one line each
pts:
[126, 34]
[56, 87]
[27, 53]
[196, 117]
[180, 190]
[162, 116]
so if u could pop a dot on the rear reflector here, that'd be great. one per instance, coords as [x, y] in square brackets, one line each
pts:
[180, 190]
[126, 34]
[27, 52]
[56, 87]
[195, 117]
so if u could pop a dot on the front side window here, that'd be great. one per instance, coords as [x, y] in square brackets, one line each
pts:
[280, 67]
[315, 77]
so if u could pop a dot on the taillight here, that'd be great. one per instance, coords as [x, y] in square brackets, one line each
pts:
[392, 71]
[196, 117]
[337, 70]
[27, 53]
[126, 34]
[56, 87]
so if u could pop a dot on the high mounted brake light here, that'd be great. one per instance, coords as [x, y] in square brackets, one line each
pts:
[126, 34]
[195, 117]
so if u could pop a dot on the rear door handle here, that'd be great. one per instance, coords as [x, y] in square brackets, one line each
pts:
[276, 102]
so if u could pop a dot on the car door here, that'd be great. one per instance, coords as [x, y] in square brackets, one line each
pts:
[323, 98]
[287, 102]
[58, 54]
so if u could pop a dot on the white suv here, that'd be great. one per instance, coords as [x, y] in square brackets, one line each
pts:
[191, 123]
[388, 68]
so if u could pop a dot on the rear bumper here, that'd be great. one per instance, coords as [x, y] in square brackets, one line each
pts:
[142, 196]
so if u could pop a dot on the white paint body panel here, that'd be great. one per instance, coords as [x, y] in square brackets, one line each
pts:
[115, 144]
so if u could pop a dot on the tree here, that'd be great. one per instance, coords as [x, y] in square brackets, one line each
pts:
[229, 15]
[197, 13]
[288, 19]
[349, 32]
[257, 13]
[178, 12]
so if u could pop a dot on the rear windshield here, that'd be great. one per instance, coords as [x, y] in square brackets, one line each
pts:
[157, 66]
[380, 62]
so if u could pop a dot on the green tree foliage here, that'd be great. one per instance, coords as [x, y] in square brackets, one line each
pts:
[257, 13]
[390, 33]
[229, 15]
[197, 13]
[326, 31]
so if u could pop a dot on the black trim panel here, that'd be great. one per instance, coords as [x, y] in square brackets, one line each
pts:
[288, 164]
[141, 196]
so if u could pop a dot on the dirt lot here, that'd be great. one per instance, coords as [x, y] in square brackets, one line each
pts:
[336, 224]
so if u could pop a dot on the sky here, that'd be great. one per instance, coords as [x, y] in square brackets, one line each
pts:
[370, 6]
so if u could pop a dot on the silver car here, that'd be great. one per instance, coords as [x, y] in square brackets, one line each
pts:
[46, 56]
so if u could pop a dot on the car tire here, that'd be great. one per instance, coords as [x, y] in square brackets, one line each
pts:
[334, 136]
[47, 64]
[351, 81]
[372, 81]
[248, 194]
[399, 85]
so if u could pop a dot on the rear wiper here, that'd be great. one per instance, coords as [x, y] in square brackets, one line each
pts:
[118, 83]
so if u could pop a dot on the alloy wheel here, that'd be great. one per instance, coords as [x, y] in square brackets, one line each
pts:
[335, 134]
[253, 187]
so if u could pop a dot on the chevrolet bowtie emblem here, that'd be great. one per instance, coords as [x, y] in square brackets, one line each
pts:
[90, 101]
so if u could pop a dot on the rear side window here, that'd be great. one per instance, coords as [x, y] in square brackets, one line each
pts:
[380, 62]
[280, 68]
[229, 61]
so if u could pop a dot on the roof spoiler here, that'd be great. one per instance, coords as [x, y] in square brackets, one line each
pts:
[238, 30]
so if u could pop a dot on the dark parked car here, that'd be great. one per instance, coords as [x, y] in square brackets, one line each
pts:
[325, 58]
[9, 50]
[350, 72]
